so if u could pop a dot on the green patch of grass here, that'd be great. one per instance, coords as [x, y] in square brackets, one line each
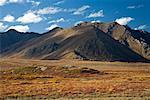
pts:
[26, 70]
[80, 71]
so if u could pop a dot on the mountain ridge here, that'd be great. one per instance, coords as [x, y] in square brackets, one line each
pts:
[90, 41]
[12, 36]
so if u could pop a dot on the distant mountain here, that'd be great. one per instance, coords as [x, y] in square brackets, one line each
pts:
[89, 41]
[12, 37]
[42, 41]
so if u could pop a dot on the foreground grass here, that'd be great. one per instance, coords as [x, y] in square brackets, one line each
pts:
[77, 82]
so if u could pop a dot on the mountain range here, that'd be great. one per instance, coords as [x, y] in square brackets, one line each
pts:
[87, 41]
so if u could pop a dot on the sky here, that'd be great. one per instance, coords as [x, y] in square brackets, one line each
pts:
[43, 15]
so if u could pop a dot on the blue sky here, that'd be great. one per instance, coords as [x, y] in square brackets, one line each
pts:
[43, 15]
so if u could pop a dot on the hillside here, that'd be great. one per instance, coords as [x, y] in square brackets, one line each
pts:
[12, 37]
[137, 40]
[88, 41]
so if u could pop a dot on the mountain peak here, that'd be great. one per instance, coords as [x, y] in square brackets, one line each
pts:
[54, 30]
[57, 28]
[12, 30]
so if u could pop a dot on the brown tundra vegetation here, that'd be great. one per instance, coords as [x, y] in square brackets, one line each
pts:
[73, 79]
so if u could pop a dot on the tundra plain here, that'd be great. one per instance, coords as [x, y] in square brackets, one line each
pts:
[73, 79]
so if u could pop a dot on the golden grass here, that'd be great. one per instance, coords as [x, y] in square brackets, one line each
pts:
[21, 78]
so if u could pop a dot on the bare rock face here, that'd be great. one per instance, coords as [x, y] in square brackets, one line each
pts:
[137, 40]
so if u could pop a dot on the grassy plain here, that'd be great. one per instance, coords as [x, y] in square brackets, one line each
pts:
[73, 79]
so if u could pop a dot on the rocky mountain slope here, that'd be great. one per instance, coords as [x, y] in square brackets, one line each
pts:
[12, 37]
[137, 40]
[90, 41]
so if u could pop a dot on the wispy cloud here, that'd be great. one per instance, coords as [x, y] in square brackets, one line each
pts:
[52, 27]
[15, 1]
[124, 20]
[135, 6]
[141, 27]
[34, 3]
[57, 20]
[20, 28]
[94, 21]
[49, 10]
[78, 22]
[59, 2]
[96, 14]
[81, 10]
[2, 26]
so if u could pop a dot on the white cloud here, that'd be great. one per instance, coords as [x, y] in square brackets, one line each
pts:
[60, 20]
[20, 28]
[15, 1]
[94, 21]
[34, 3]
[2, 2]
[135, 6]
[29, 17]
[57, 21]
[78, 22]
[131, 7]
[9, 18]
[2, 26]
[59, 2]
[52, 27]
[81, 10]
[141, 27]
[49, 10]
[124, 20]
[69, 10]
[96, 14]
[35, 16]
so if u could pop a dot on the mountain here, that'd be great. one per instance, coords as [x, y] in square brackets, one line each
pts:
[89, 41]
[41, 42]
[12, 37]
[137, 40]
